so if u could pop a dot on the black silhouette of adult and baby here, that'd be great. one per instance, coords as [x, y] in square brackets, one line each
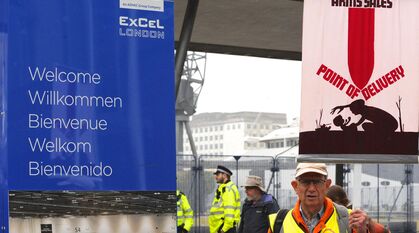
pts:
[373, 120]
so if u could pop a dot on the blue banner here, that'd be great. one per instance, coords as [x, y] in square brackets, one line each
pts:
[89, 101]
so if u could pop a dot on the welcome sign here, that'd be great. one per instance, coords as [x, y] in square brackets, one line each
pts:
[87, 100]
[360, 77]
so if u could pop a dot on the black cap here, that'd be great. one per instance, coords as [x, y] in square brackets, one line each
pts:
[223, 170]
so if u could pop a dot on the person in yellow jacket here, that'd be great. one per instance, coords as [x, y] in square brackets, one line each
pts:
[184, 213]
[225, 210]
[314, 212]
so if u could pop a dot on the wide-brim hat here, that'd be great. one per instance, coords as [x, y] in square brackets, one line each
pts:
[254, 181]
[223, 169]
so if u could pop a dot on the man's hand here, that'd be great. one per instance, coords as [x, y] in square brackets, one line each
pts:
[358, 220]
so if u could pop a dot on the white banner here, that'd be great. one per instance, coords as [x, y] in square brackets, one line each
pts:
[360, 83]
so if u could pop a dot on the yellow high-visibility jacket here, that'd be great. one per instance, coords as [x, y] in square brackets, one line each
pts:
[184, 211]
[334, 220]
[225, 209]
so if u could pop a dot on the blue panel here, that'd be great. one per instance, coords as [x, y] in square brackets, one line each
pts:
[90, 96]
[3, 149]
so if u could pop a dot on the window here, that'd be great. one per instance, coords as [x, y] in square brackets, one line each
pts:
[206, 138]
[221, 137]
[248, 126]
[234, 126]
[200, 147]
[210, 128]
[216, 137]
[200, 130]
[206, 129]
[210, 138]
[200, 139]
[210, 146]
[221, 146]
[291, 142]
[215, 146]
[221, 127]
[206, 147]
[238, 126]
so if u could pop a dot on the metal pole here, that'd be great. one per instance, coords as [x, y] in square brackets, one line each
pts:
[378, 193]
[339, 174]
[179, 137]
[276, 174]
[357, 185]
[409, 198]
[185, 38]
[197, 191]
[190, 137]
[237, 168]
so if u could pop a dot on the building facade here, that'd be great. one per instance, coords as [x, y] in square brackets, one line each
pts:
[231, 133]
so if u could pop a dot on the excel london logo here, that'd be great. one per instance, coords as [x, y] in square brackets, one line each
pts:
[141, 27]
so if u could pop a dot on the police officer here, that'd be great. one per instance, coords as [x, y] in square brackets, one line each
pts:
[184, 213]
[225, 209]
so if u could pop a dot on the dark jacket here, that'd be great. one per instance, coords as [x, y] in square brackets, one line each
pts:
[255, 216]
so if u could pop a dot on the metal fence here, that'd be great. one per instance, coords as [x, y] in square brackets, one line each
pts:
[386, 191]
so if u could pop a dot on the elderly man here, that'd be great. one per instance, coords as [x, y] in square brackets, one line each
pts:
[314, 212]
[258, 208]
[225, 209]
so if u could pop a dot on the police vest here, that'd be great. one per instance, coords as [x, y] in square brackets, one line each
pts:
[184, 211]
[225, 209]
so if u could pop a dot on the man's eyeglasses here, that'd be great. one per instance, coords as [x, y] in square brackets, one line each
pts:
[315, 182]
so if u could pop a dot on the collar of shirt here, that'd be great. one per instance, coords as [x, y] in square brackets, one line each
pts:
[311, 224]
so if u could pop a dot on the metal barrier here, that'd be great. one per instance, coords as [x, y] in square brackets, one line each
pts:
[387, 195]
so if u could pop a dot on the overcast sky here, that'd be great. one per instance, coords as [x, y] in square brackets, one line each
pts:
[239, 83]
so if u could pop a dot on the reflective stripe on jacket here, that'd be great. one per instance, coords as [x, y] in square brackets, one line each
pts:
[184, 211]
[225, 209]
[330, 222]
